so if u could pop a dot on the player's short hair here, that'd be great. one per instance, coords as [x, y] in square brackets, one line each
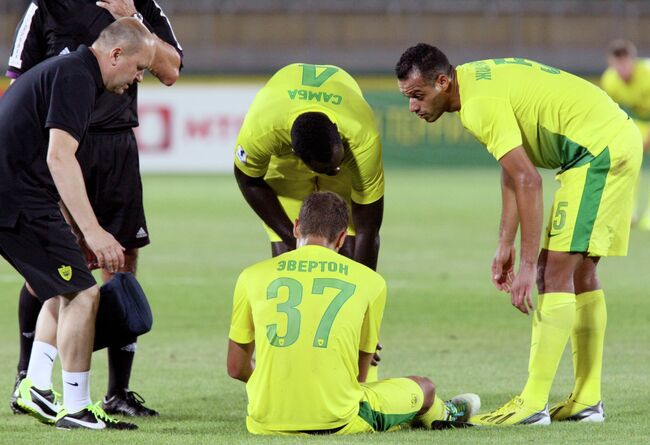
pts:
[313, 137]
[621, 48]
[127, 33]
[323, 214]
[426, 59]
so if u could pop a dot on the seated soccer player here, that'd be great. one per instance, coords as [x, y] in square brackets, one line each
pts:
[314, 316]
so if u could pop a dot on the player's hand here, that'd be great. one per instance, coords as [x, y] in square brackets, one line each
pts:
[375, 357]
[91, 258]
[118, 8]
[503, 267]
[109, 253]
[522, 288]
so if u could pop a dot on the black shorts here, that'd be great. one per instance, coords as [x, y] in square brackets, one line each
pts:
[111, 169]
[45, 252]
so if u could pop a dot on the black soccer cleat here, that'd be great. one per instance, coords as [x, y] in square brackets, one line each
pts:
[128, 403]
[13, 404]
[92, 417]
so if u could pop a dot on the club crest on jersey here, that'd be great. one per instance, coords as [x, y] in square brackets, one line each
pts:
[241, 154]
[65, 272]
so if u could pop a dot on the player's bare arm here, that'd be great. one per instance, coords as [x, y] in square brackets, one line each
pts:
[68, 179]
[503, 264]
[240, 360]
[263, 200]
[367, 222]
[364, 364]
[166, 61]
[527, 184]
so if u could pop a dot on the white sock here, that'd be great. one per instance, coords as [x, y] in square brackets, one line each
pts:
[76, 390]
[41, 362]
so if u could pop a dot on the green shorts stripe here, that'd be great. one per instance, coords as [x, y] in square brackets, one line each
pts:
[590, 201]
[381, 421]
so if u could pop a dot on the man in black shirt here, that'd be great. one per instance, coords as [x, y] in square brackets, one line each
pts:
[108, 154]
[43, 116]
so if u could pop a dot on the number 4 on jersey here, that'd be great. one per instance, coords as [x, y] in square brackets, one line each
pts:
[311, 79]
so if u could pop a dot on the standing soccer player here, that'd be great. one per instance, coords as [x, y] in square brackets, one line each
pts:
[108, 154]
[43, 116]
[310, 129]
[314, 317]
[627, 81]
[532, 115]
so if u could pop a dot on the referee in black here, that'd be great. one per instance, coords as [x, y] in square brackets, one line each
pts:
[43, 116]
[108, 155]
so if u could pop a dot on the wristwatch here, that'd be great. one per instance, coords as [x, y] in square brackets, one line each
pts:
[138, 16]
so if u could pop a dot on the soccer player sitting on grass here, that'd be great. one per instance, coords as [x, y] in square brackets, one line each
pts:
[532, 115]
[314, 316]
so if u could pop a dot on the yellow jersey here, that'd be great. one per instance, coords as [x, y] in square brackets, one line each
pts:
[561, 120]
[309, 311]
[263, 146]
[633, 97]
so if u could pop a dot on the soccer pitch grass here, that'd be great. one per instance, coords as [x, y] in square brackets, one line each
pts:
[443, 318]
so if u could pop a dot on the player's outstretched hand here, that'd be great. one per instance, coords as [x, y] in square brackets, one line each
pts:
[109, 253]
[118, 8]
[503, 266]
[522, 289]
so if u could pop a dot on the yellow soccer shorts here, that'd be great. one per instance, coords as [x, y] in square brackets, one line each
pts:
[592, 209]
[293, 183]
[386, 406]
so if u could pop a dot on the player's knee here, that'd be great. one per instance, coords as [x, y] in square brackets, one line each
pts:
[428, 390]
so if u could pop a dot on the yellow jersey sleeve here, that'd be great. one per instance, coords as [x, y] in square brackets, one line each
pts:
[252, 153]
[372, 322]
[492, 121]
[242, 329]
[368, 180]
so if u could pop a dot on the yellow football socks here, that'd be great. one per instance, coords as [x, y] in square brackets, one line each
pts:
[587, 338]
[438, 411]
[552, 323]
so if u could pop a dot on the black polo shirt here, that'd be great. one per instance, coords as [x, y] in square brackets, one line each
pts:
[58, 93]
[51, 28]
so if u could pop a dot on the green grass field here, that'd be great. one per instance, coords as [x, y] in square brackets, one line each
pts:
[443, 319]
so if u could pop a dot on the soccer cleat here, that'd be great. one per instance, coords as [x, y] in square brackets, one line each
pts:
[42, 404]
[14, 395]
[513, 413]
[570, 410]
[92, 417]
[462, 407]
[128, 403]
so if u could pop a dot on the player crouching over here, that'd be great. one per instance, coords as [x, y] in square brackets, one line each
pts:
[316, 330]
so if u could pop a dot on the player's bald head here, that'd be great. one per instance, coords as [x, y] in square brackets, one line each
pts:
[323, 214]
[126, 33]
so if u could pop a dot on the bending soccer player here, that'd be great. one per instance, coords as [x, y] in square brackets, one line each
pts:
[313, 316]
[108, 154]
[43, 116]
[627, 81]
[532, 115]
[310, 129]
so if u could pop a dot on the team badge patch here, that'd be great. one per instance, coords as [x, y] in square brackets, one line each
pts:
[241, 154]
[65, 272]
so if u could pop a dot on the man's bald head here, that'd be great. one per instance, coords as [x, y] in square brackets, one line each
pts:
[126, 33]
[124, 49]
